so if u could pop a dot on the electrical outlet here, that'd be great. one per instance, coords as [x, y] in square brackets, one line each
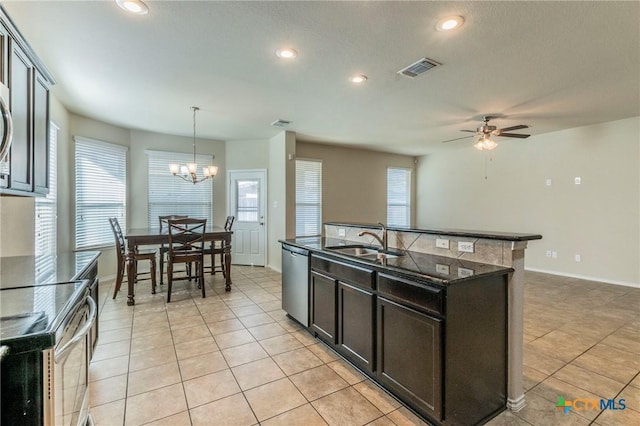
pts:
[442, 269]
[578, 258]
[342, 232]
[577, 180]
[442, 243]
[548, 253]
[554, 254]
[465, 272]
[548, 182]
[465, 246]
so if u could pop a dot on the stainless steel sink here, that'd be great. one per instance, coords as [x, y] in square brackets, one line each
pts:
[365, 252]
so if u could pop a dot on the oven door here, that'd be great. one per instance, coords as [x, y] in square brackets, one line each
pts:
[69, 383]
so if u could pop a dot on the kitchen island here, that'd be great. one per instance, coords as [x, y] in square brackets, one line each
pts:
[431, 328]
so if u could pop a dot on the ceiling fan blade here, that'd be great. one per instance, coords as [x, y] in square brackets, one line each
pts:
[513, 135]
[519, 126]
[451, 140]
[472, 131]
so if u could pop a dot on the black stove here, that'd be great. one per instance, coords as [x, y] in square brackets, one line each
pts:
[31, 315]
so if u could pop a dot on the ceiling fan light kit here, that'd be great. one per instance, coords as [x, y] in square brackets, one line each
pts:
[486, 131]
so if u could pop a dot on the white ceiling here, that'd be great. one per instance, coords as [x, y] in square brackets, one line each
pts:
[551, 65]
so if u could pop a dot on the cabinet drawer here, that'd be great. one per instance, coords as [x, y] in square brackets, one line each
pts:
[344, 272]
[411, 293]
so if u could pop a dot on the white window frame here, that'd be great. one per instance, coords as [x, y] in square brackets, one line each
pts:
[101, 191]
[46, 235]
[169, 195]
[398, 197]
[308, 198]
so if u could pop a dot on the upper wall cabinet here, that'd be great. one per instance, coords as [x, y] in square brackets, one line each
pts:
[26, 169]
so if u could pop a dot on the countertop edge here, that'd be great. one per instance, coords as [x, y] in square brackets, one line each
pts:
[505, 236]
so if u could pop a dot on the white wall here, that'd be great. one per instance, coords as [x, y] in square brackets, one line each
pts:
[247, 154]
[599, 219]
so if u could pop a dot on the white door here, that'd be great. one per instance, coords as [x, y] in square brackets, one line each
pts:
[247, 190]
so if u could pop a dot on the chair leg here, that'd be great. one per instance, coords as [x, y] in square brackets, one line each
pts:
[224, 270]
[153, 276]
[169, 279]
[201, 278]
[161, 266]
[119, 276]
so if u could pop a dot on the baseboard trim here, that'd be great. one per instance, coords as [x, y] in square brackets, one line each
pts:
[585, 277]
[516, 405]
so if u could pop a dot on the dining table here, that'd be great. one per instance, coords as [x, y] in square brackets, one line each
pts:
[137, 237]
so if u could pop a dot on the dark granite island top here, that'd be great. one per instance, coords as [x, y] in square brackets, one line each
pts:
[490, 235]
[436, 269]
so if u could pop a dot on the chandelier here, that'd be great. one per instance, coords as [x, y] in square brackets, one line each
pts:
[189, 172]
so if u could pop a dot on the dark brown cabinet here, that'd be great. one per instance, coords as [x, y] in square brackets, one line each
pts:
[409, 355]
[356, 308]
[26, 171]
[40, 135]
[323, 306]
[438, 347]
[21, 153]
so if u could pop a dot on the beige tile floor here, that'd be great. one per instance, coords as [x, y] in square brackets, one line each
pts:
[236, 359]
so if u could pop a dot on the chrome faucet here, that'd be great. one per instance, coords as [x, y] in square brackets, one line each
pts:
[382, 241]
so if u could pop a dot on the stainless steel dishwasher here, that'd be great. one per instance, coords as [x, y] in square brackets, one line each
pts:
[295, 283]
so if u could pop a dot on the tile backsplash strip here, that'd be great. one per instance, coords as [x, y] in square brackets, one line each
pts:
[495, 252]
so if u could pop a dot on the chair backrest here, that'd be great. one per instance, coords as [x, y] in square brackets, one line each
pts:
[163, 220]
[229, 223]
[117, 233]
[186, 234]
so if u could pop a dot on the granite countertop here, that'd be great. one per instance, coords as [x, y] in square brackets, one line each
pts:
[435, 269]
[19, 271]
[490, 235]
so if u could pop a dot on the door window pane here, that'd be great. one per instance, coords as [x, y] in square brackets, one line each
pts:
[247, 200]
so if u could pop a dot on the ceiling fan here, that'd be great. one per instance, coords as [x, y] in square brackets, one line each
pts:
[486, 131]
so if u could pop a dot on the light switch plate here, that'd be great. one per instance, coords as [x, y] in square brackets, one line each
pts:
[465, 272]
[465, 246]
[442, 243]
[442, 269]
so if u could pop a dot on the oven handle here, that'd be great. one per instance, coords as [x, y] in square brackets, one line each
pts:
[93, 310]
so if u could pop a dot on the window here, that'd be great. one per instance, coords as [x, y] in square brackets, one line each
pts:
[308, 198]
[101, 176]
[398, 196]
[169, 194]
[46, 207]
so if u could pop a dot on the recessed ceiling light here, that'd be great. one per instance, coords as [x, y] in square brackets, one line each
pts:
[286, 53]
[137, 7]
[357, 79]
[449, 23]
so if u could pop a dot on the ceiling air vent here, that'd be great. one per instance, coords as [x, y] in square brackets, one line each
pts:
[418, 67]
[281, 123]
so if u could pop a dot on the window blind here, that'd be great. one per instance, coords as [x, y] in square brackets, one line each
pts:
[169, 194]
[101, 177]
[46, 207]
[398, 196]
[308, 198]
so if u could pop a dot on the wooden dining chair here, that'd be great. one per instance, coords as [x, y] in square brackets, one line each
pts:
[218, 248]
[186, 245]
[123, 258]
[163, 222]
